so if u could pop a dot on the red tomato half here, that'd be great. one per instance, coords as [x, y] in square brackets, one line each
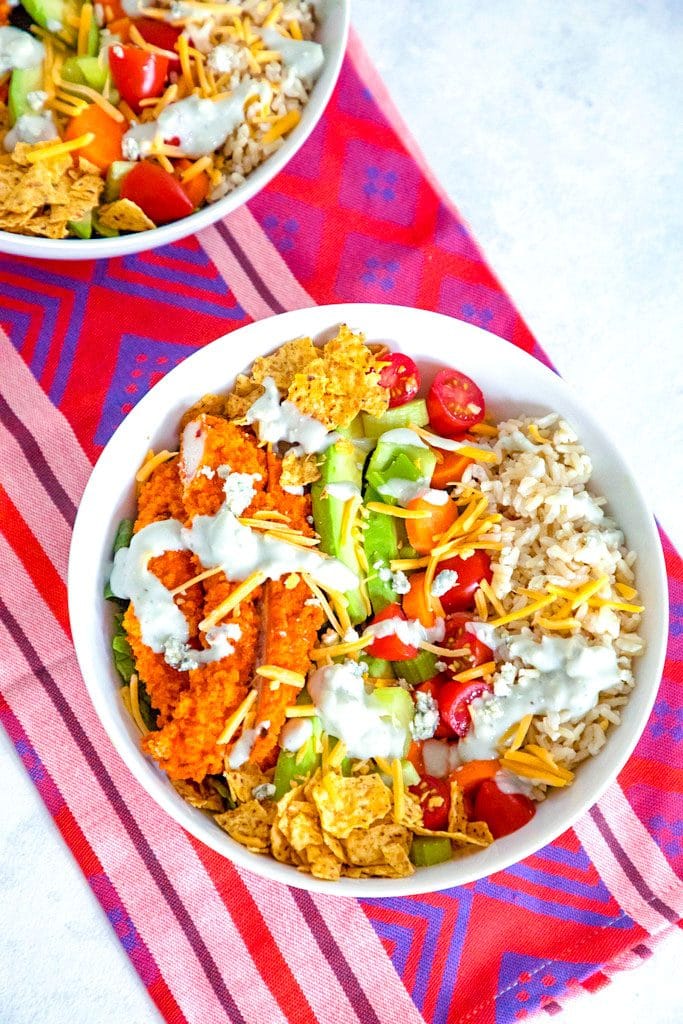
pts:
[435, 800]
[458, 637]
[137, 74]
[401, 377]
[390, 647]
[454, 699]
[454, 403]
[471, 571]
[156, 192]
[503, 812]
[161, 34]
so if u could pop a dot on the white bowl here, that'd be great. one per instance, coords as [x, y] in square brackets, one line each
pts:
[332, 33]
[513, 383]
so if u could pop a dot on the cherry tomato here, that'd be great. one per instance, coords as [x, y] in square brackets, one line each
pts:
[471, 571]
[457, 637]
[390, 647]
[454, 403]
[105, 148]
[156, 192]
[503, 812]
[432, 687]
[435, 800]
[454, 699]
[423, 533]
[161, 34]
[401, 377]
[137, 74]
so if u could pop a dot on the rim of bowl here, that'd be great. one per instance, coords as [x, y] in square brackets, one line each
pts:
[103, 248]
[504, 852]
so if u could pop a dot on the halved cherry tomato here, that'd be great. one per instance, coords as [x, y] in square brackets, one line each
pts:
[471, 571]
[415, 602]
[424, 533]
[137, 74]
[197, 188]
[432, 687]
[435, 800]
[454, 699]
[449, 469]
[401, 377]
[106, 146]
[156, 192]
[457, 636]
[503, 812]
[390, 647]
[161, 34]
[454, 403]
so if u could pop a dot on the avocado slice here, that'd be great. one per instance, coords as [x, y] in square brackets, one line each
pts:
[54, 15]
[401, 416]
[85, 70]
[23, 82]
[381, 542]
[340, 465]
[293, 767]
[101, 229]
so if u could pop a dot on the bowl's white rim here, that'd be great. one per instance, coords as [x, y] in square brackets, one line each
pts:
[102, 248]
[522, 846]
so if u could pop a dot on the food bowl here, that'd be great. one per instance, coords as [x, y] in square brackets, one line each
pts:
[332, 34]
[513, 383]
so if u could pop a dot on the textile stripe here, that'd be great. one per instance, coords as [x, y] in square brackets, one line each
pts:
[240, 255]
[629, 868]
[285, 919]
[37, 460]
[360, 918]
[73, 836]
[36, 563]
[31, 405]
[119, 806]
[331, 951]
[27, 494]
[233, 274]
[264, 256]
[614, 877]
[641, 848]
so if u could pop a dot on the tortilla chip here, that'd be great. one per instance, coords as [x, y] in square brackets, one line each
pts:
[209, 405]
[250, 824]
[457, 819]
[297, 471]
[284, 364]
[198, 794]
[124, 215]
[241, 781]
[480, 831]
[365, 846]
[323, 863]
[348, 803]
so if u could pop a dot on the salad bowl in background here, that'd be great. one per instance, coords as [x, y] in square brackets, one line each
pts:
[332, 33]
[514, 384]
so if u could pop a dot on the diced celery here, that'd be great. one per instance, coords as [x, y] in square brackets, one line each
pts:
[291, 767]
[428, 850]
[377, 668]
[418, 669]
[402, 416]
[396, 704]
[410, 773]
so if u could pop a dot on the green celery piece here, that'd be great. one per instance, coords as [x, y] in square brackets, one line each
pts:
[420, 460]
[71, 71]
[377, 668]
[101, 229]
[23, 82]
[401, 416]
[418, 669]
[396, 704]
[81, 228]
[115, 175]
[95, 74]
[410, 773]
[49, 12]
[93, 41]
[381, 542]
[288, 770]
[426, 851]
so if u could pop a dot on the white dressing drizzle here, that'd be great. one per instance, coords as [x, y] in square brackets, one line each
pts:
[303, 57]
[278, 420]
[409, 631]
[19, 49]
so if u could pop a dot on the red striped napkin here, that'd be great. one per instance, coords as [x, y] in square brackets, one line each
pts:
[355, 216]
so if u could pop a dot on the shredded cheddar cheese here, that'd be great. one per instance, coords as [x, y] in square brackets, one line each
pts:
[238, 595]
[397, 512]
[301, 711]
[60, 148]
[282, 675]
[399, 790]
[236, 718]
[150, 464]
[475, 673]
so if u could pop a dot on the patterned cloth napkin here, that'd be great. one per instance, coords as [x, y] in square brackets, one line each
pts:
[355, 216]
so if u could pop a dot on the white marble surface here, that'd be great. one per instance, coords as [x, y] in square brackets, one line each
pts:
[552, 125]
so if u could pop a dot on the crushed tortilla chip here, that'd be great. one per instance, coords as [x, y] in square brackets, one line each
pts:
[250, 824]
[284, 364]
[124, 215]
[457, 819]
[348, 803]
[340, 382]
[208, 405]
[297, 471]
[322, 863]
[42, 198]
[241, 781]
[199, 794]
